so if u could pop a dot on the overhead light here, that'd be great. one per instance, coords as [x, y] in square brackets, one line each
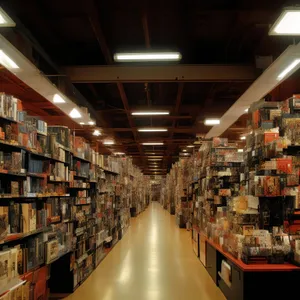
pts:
[190, 146]
[240, 150]
[155, 156]
[152, 144]
[119, 153]
[155, 56]
[81, 123]
[109, 142]
[75, 114]
[246, 110]
[243, 137]
[184, 150]
[288, 23]
[152, 129]
[91, 123]
[150, 113]
[5, 19]
[288, 69]
[96, 132]
[58, 99]
[7, 62]
[154, 159]
[210, 122]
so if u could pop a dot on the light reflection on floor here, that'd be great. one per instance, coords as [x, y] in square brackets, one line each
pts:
[153, 261]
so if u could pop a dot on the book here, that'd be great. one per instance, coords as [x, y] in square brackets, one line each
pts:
[3, 221]
[4, 266]
[28, 216]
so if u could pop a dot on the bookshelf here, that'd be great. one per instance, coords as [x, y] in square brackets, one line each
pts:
[245, 204]
[62, 204]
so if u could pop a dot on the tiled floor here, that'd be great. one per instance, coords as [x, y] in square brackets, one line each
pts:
[154, 260]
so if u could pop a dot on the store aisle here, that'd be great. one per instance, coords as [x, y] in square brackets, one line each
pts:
[153, 261]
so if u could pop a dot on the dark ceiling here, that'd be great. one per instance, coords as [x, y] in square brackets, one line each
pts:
[79, 33]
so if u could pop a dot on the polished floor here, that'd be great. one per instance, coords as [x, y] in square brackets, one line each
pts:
[154, 260]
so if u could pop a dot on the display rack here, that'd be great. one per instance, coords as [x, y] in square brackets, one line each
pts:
[64, 206]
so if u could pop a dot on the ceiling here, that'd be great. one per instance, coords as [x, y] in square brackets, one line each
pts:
[85, 34]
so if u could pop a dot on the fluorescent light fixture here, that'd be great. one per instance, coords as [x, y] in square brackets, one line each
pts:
[155, 56]
[288, 69]
[154, 159]
[81, 123]
[7, 62]
[155, 156]
[190, 146]
[150, 113]
[152, 129]
[91, 123]
[184, 150]
[75, 114]
[210, 122]
[152, 144]
[288, 23]
[109, 142]
[96, 132]
[243, 137]
[240, 150]
[58, 99]
[5, 19]
[119, 153]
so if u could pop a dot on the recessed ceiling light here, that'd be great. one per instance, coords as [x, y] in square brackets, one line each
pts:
[5, 19]
[158, 56]
[108, 142]
[152, 144]
[7, 62]
[96, 132]
[288, 23]
[288, 69]
[210, 122]
[91, 123]
[190, 146]
[75, 114]
[81, 123]
[58, 99]
[152, 129]
[243, 137]
[246, 110]
[240, 150]
[150, 113]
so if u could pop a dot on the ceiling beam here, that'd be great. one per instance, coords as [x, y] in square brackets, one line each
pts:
[167, 73]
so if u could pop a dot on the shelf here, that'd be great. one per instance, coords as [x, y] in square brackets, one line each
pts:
[81, 158]
[108, 171]
[57, 258]
[58, 181]
[12, 285]
[80, 176]
[18, 236]
[10, 120]
[32, 195]
[6, 172]
[37, 175]
[255, 267]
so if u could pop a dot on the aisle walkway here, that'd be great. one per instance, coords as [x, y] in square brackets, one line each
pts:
[153, 261]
